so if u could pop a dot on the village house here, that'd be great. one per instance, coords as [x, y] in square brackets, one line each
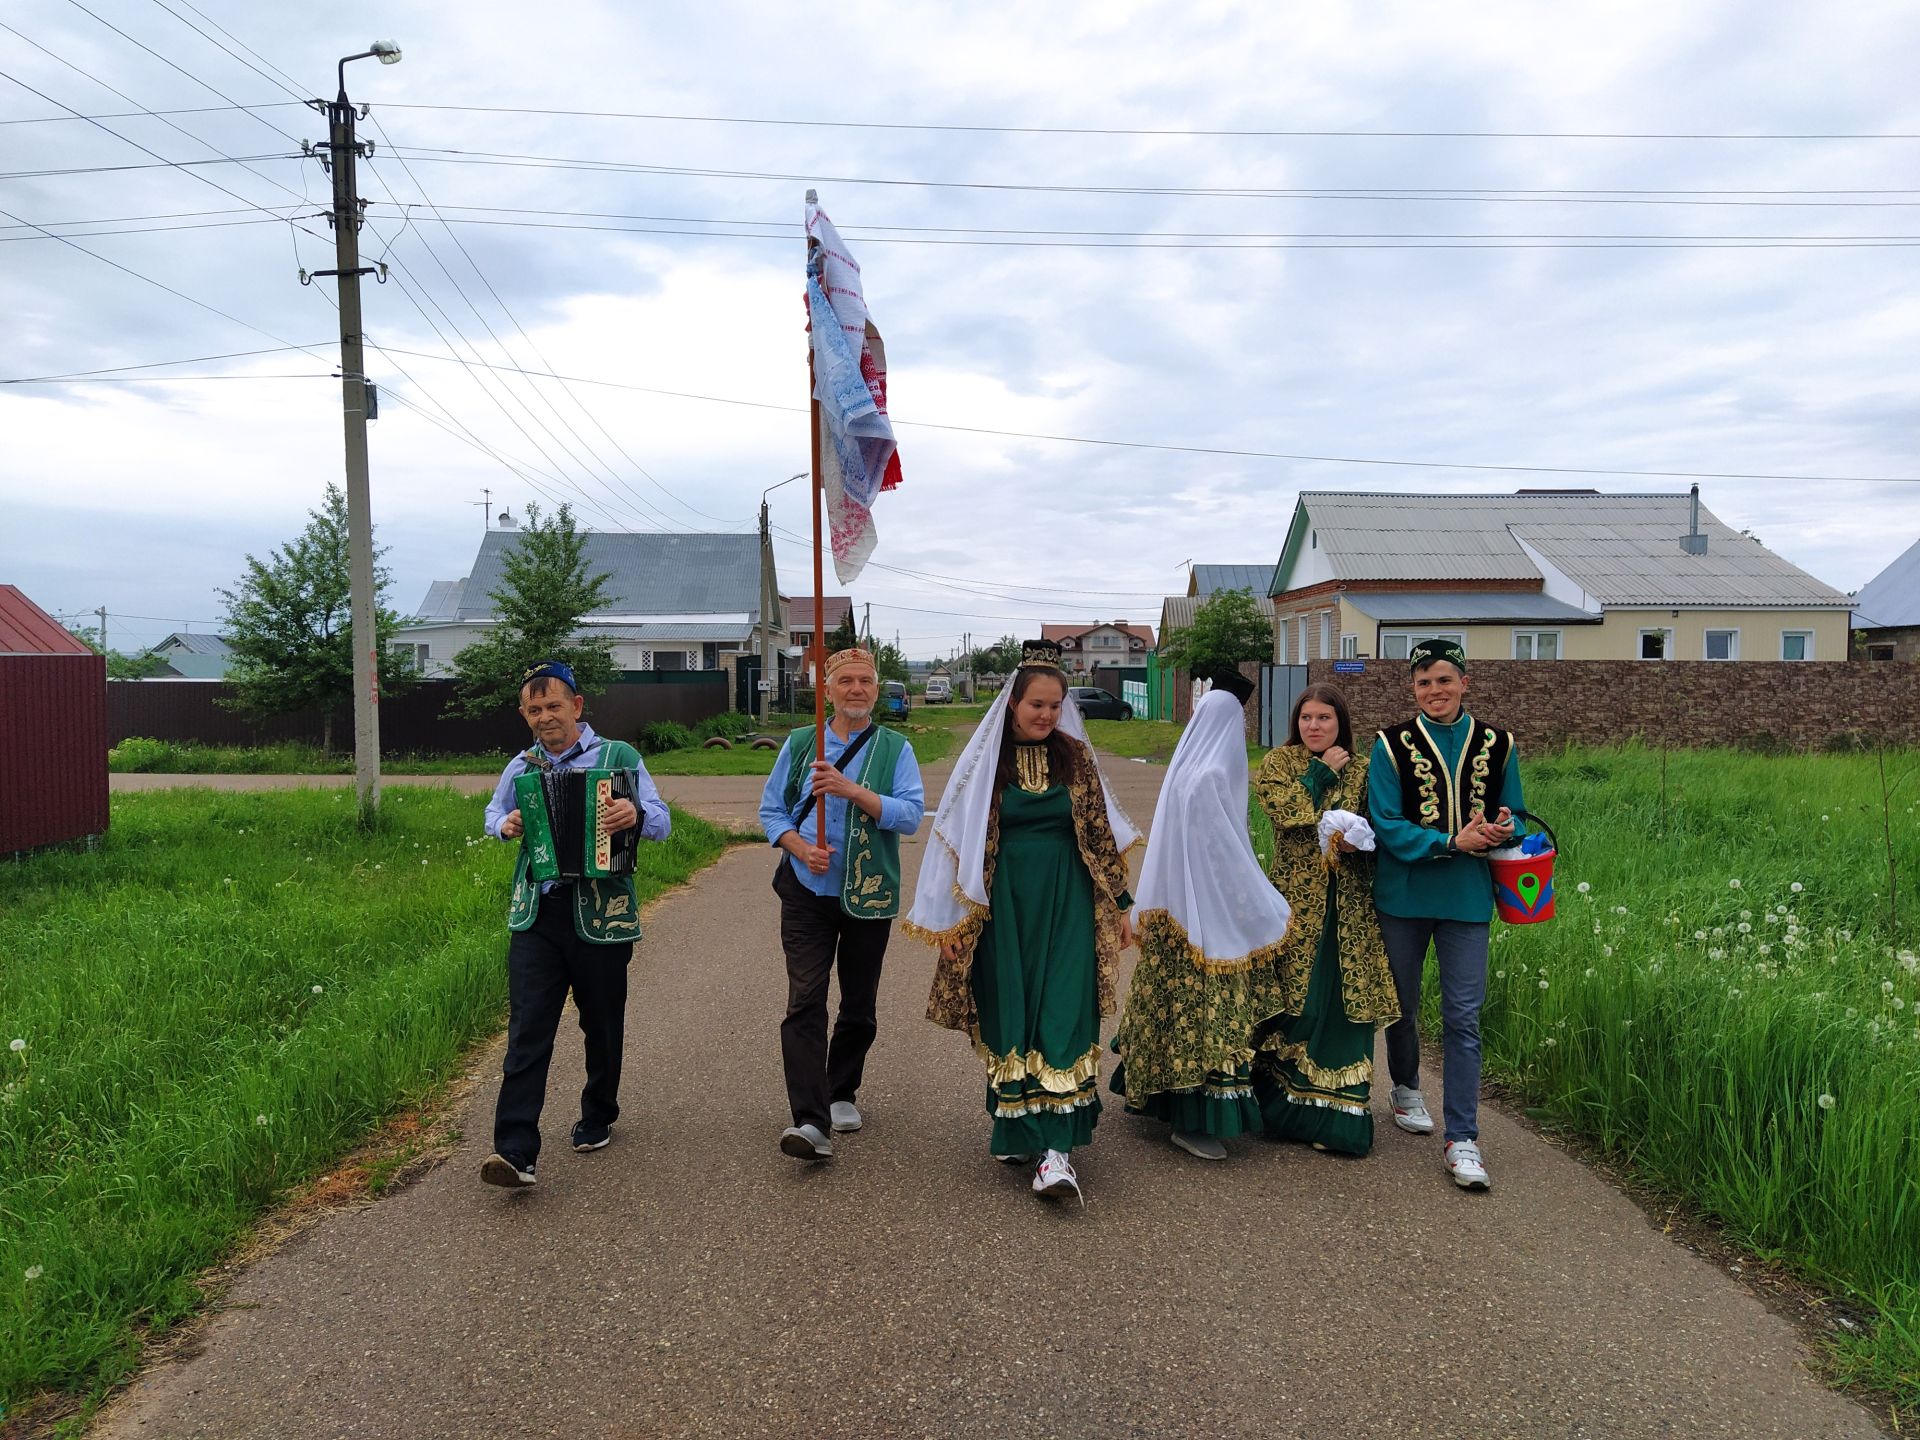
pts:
[1542, 575]
[1886, 612]
[1085, 648]
[195, 656]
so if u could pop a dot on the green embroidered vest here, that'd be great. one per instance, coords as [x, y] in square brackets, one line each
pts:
[1431, 794]
[605, 912]
[870, 889]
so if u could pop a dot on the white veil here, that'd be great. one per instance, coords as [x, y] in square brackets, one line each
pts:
[1200, 866]
[953, 886]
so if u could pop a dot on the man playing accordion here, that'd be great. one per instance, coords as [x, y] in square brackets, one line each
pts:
[574, 931]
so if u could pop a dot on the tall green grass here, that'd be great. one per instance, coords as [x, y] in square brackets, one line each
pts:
[216, 1003]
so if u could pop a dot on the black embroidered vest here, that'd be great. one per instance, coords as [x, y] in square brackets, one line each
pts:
[1433, 795]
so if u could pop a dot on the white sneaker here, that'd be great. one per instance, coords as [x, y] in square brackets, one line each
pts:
[1463, 1162]
[1410, 1111]
[1054, 1178]
[805, 1142]
[1201, 1147]
[846, 1117]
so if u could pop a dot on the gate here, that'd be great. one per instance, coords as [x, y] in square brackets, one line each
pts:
[1280, 686]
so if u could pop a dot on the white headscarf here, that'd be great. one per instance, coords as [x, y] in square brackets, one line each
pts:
[1200, 867]
[953, 883]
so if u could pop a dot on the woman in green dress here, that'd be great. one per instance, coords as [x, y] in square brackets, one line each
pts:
[1330, 981]
[1024, 892]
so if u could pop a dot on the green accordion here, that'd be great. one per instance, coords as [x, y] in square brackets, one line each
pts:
[560, 811]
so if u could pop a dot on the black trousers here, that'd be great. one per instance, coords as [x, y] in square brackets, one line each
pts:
[543, 963]
[816, 933]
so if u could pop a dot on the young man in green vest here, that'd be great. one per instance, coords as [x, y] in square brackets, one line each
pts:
[1433, 782]
[567, 935]
[838, 824]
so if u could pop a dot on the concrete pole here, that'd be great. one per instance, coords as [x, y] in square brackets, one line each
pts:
[767, 679]
[344, 150]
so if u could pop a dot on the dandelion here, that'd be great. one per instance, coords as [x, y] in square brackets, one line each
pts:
[1826, 817]
[1606, 950]
[1583, 887]
[1745, 928]
[1699, 934]
[1543, 984]
[1626, 1024]
[1746, 914]
[1899, 1002]
[1733, 994]
[34, 1272]
[1619, 909]
[423, 862]
[1852, 1014]
[1796, 887]
[1654, 969]
[1551, 1041]
[1733, 884]
[260, 1120]
[16, 1045]
[318, 989]
[1591, 972]
[1765, 949]
[1886, 987]
[1596, 927]
[1716, 954]
[1825, 1102]
[1499, 974]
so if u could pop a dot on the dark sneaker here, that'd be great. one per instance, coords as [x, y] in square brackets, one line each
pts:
[507, 1172]
[591, 1137]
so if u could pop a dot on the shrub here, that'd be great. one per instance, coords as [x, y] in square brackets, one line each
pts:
[727, 725]
[137, 755]
[663, 735]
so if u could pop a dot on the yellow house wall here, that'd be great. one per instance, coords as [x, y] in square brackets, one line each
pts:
[1617, 637]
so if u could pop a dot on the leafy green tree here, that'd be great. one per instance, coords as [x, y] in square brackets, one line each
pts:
[290, 624]
[1228, 629]
[844, 636]
[546, 589]
[888, 660]
[1000, 658]
[120, 665]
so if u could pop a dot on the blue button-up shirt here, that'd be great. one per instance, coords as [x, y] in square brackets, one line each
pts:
[900, 811]
[656, 822]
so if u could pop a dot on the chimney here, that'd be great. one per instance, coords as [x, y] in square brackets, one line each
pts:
[1693, 542]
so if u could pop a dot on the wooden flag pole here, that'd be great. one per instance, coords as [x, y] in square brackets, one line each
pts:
[818, 647]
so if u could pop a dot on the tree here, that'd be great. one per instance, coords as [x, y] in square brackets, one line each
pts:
[1228, 629]
[1000, 658]
[546, 590]
[844, 636]
[120, 666]
[888, 660]
[290, 624]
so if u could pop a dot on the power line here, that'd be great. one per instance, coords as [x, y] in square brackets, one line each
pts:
[58, 171]
[142, 114]
[1157, 132]
[171, 379]
[292, 86]
[159, 229]
[161, 364]
[271, 80]
[1257, 454]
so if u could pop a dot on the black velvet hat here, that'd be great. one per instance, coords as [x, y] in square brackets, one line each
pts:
[1040, 652]
[1234, 683]
[1428, 651]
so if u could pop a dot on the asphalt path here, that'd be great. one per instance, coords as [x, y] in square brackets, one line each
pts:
[690, 1280]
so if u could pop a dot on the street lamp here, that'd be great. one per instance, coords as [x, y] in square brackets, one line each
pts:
[767, 598]
[343, 150]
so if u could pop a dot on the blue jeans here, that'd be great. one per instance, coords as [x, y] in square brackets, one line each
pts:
[1460, 948]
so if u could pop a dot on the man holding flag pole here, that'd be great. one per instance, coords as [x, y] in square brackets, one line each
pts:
[840, 892]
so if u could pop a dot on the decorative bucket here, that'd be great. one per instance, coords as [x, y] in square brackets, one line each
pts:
[1523, 884]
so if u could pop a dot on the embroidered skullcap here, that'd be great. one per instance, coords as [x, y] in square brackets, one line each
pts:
[852, 655]
[1428, 651]
[1040, 652]
[552, 670]
[1234, 683]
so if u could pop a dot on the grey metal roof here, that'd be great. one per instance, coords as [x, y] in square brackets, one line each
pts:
[1891, 598]
[1467, 607]
[1209, 578]
[667, 630]
[1176, 611]
[1620, 549]
[647, 573]
[196, 644]
[442, 602]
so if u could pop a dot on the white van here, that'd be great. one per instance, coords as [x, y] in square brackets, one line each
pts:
[939, 690]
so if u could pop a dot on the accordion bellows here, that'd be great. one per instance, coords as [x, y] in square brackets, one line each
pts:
[561, 810]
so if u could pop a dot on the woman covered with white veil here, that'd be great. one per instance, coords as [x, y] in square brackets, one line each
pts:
[1210, 927]
[1024, 892]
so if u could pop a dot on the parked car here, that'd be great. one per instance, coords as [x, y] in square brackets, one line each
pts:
[893, 700]
[939, 690]
[1097, 704]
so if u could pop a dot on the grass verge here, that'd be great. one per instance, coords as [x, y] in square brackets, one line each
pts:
[214, 1005]
[140, 756]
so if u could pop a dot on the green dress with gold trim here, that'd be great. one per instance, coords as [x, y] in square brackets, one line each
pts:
[1314, 1070]
[1034, 977]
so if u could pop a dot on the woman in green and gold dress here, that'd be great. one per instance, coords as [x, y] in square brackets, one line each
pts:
[1331, 982]
[1024, 892]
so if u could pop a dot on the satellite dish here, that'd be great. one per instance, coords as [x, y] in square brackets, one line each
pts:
[507, 522]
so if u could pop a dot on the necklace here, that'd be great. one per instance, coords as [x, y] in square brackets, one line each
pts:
[1030, 765]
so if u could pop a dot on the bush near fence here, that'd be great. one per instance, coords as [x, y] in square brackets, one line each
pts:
[415, 722]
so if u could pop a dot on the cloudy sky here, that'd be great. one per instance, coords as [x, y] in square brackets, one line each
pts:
[1514, 277]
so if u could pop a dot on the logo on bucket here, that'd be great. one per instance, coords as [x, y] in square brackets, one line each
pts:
[1523, 889]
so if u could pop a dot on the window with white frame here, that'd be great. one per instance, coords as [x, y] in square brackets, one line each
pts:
[1398, 644]
[1349, 647]
[1536, 644]
[1722, 645]
[414, 657]
[1326, 636]
[1879, 652]
[1656, 644]
[1796, 644]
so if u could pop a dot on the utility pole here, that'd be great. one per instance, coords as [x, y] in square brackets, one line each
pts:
[343, 151]
[866, 624]
[766, 616]
[102, 613]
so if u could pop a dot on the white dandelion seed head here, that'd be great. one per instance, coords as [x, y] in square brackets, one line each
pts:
[1606, 950]
[319, 989]
[34, 1272]
[1591, 972]
[1716, 954]
[259, 1119]
[1796, 887]
[1733, 994]
[1551, 1041]
[1718, 931]
[1886, 987]
[1746, 914]
[1699, 934]
[1499, 974]
[1543, 984]
[1583, 887]
[1826, 817]
[1825, 1102]
[1733, 884]
[1745, 928]
[1619, 909]
[16, 1045]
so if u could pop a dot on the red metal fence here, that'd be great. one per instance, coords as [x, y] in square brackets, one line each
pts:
[53, 749]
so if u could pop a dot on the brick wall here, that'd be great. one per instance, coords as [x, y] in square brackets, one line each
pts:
[1804, 705]
[1904, 639]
